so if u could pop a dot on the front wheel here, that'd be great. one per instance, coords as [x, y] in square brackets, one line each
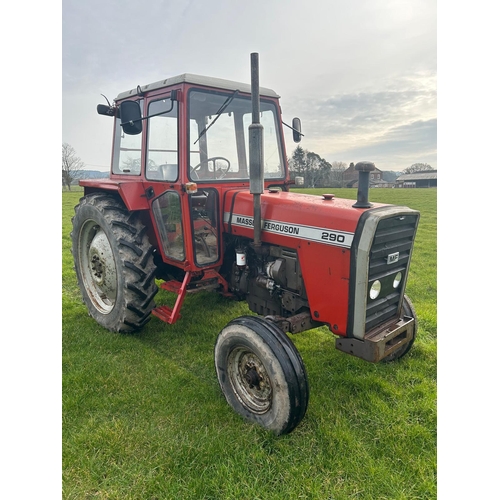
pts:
[113, 263]
[261, 374]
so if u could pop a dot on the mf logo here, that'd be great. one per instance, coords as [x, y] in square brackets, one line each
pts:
[392, 257]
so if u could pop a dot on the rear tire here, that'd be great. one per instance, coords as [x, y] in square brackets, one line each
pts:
[113, 263]
[262, 374]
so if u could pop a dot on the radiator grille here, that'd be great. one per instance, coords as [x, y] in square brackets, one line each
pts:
[394, 236]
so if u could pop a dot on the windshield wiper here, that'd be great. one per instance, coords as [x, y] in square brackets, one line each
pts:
[221, 110]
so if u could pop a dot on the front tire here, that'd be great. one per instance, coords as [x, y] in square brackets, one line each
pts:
[113, 263]
[261, 374]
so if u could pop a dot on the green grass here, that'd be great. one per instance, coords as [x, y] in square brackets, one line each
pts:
[144, 418]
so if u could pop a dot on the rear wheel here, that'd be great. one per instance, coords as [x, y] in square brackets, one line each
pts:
[262, 374]
[408, 310]
[113, 263]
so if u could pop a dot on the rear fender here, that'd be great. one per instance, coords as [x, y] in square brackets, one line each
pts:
[132, 193]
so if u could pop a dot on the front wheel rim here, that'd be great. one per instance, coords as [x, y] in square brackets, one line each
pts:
[250, 380]
[98, 267]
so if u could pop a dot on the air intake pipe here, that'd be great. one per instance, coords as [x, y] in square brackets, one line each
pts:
[256, 150]
[364, 168]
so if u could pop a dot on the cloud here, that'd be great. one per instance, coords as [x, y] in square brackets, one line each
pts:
[394, 123]
[403, 146]
[353, 70]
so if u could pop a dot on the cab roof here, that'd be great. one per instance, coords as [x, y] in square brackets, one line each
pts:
[206, 81]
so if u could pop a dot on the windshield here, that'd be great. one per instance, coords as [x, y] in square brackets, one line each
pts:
[218, 136]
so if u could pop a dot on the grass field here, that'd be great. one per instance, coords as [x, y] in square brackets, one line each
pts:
[144, 418]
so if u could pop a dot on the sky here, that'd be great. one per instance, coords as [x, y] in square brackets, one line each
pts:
[360, 74]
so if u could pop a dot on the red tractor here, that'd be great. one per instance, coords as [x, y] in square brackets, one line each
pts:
[198, 199]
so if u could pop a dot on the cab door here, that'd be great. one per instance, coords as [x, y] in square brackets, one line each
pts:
[187, 224]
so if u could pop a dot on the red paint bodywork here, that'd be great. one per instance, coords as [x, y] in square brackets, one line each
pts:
[325, 268]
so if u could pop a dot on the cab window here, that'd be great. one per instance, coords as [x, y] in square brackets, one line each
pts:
[218, 136]
[127, 151]
[167, 213]
[162, 152]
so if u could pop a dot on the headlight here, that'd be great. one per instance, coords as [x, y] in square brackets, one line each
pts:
[397, 279]
[375, 289]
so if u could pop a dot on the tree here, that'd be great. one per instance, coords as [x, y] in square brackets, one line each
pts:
[297, 162]
[315, 170]
[390, 175]
[417, 167]
[72, 165]
[337, 173]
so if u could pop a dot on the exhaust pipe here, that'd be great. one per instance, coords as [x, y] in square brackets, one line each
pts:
[364, 168]
[256, 150]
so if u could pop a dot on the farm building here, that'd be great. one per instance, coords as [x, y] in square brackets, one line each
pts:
[423, 179]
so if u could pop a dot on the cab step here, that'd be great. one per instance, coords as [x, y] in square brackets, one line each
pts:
[210, 280]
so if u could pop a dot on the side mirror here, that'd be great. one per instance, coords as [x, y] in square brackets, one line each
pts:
[297, 130]
[299, 181]
[104, 109]
[131, 117]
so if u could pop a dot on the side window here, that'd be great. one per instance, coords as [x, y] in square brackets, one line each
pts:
[167, 214]
[162, 159]
[127, 151]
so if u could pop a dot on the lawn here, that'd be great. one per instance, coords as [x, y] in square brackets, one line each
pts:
[144, 417]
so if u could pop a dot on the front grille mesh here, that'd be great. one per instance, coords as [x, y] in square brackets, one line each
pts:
[394, 234]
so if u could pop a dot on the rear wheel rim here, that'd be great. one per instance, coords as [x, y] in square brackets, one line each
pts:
[250, 380]
[98, 267]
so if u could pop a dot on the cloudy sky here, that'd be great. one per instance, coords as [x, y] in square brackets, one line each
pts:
[361, 74]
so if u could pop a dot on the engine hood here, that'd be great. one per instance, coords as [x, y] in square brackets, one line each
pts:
[299, 216]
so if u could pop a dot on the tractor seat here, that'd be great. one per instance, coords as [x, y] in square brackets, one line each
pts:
[168, 171]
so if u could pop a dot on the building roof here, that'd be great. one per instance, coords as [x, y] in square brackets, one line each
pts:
[424, 175]
[197, 80]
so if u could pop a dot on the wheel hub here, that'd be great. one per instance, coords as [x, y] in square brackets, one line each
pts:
[252, 377]
[97, 266]
[99, 271]
[250, 380]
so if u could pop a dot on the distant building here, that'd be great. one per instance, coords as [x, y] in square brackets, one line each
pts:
[351, 177]
[423, 179]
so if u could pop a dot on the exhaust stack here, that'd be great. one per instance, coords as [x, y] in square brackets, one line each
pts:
[256, 150]
[364, 168]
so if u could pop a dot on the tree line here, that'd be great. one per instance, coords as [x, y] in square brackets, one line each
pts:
[316, 171]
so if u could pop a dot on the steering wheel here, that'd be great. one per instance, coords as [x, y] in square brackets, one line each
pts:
[222, 171]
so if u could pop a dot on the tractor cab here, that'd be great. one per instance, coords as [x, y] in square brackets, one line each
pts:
[193, 128]
[184, 144]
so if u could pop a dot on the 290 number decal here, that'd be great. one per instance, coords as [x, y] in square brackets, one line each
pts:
[339, 238]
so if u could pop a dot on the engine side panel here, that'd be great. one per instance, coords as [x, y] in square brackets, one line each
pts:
[321, 231]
